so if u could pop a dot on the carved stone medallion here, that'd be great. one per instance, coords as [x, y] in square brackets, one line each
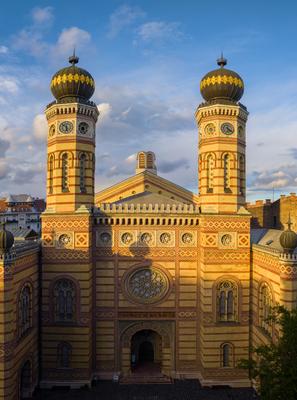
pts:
[146, 238]
[187, 238]
[105, 237]
[64, 240]
[165, 238]
[127, 238]
[226, 239]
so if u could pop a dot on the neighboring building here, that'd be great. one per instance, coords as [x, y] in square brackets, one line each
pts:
[145, 271]
[23, 233]
[268, 214]
[22, 211]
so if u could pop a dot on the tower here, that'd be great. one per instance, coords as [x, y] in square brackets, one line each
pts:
[71, 140]
[224, 228]
[221, 122]
[67, 296]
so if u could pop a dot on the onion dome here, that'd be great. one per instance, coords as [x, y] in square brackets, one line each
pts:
[222, 84]
[288, 239]
[6, 239]
[72, 83]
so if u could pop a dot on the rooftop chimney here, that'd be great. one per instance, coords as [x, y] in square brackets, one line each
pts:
[146, 162]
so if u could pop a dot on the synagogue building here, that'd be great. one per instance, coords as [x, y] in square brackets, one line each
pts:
[144, 275]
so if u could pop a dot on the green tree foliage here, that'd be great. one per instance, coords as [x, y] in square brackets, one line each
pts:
[274, 366]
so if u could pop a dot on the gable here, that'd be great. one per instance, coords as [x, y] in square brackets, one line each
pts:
[147, 188]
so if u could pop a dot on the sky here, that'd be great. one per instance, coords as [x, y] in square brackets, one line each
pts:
[147, 58]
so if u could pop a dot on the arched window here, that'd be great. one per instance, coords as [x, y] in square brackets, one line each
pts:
[64, 355]
[50, 173]
[209, 172]
[25, 310]
[227, 300]
[141, 160]
[241, 175]
[82, 172]
[226, 355]
[226, 162]
[64, 300]
[65, 167]
[150, 160]
[265, 307]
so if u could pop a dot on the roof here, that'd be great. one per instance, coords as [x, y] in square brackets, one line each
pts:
[146, 188]
[19, 198]
[268, 238]
[147, 198]
[23, 233]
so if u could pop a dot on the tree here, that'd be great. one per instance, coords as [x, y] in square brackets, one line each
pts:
[274, 366]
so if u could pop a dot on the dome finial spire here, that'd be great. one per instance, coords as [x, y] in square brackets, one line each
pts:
[73, 59]
[221, 61]
[289, 223]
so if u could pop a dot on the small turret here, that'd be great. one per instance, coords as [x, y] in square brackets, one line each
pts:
[146, 162]
[288, 239]
[6, 239]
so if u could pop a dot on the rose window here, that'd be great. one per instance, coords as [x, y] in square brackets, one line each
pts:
[147, 285]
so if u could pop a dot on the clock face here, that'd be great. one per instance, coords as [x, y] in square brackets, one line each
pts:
[52, 130]
[83, 128]
[210, 129]
[227, 128]
[66, 127]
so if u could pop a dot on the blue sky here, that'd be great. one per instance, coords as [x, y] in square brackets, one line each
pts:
[147, 58]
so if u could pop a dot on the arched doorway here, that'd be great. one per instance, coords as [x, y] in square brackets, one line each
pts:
[162, 333]
[146, 352]
[25, 380]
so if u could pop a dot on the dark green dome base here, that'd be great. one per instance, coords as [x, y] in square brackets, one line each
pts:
[72, 82]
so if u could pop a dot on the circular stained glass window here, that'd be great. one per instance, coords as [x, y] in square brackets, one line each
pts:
[147, 285]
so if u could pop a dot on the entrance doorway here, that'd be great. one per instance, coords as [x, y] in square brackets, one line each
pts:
[25, 381]
[146, 352]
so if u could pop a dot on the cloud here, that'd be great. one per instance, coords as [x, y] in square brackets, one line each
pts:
[71, 38]
[3, 49]
[172, 165]
[293, 152]
[9, 84]
[30, 41]
[159, 31]
[27, 172]
[3, 169]
[104, 111]
[133, 118]
[4, 146]
[121, 18]
[31, 38]
[278, 178]
[40, 128]
[42, 15]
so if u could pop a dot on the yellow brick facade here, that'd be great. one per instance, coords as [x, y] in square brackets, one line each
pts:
[143, 258]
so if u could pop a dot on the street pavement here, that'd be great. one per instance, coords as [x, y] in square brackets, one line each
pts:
[179, 390]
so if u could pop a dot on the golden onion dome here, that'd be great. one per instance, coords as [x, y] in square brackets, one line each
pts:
[72, 83]
[288, 239]
[222, 84]
[6, 239]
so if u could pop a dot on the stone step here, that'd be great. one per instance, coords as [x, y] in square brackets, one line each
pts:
[145, 380]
